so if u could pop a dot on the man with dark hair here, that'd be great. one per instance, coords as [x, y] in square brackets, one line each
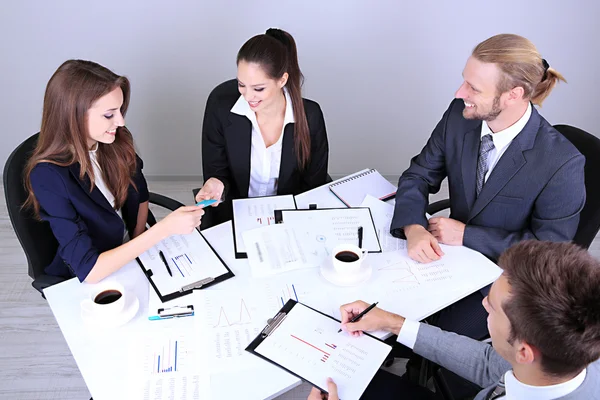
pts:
[544, 321]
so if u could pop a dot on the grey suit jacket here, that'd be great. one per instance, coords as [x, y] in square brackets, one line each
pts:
[479, 363]
[535, 191]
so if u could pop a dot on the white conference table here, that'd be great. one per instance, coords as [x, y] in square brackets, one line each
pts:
[103, 356]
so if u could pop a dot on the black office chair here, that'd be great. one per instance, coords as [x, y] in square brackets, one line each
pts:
[589, 220]
[36, 237]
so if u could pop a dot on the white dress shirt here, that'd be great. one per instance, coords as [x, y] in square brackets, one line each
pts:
[101, 185]
[264, 161]
[503, 139]
[514, 388]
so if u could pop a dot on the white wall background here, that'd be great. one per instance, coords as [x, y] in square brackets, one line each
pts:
[383, 71]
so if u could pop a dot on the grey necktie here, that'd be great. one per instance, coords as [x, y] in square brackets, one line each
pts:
[499, 391]
[487, 145]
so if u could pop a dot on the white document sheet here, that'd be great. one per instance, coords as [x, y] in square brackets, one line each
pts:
[256, 212]
[168, 366]
[382, 215]
[190, 258]
[345, 223]
[322, 196]
[226, 321]
[280, 248]
[416, 290]
[307, 343]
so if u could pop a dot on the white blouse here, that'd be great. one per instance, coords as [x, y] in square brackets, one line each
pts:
[265, 161]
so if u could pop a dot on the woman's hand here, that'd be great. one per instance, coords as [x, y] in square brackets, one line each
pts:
[212, 190]
[182, 221]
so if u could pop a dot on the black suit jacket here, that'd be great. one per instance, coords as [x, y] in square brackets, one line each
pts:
[226, 144]
[535, 191]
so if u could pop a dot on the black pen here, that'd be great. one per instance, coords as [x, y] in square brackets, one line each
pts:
[360, 235]
[164, 260]
[359, 316]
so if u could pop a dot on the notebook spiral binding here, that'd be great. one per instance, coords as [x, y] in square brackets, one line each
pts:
[353, 177]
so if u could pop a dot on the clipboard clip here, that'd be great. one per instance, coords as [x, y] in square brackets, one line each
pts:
[273, 324]
[197, 285]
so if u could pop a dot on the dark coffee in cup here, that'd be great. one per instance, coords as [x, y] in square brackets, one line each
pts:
[107, 297]
[347, 256]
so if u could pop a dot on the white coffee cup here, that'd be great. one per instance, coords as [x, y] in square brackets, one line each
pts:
[105, 300]
[347, 259]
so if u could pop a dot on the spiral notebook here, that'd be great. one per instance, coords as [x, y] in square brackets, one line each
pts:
[353, 190]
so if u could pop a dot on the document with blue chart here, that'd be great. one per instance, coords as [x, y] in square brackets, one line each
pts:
[192, 262]
[306, 343]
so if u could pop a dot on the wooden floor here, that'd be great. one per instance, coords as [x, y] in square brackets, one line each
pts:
[34, 357]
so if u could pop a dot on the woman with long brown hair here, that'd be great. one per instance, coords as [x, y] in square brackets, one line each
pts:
[86, 180]
[260, 137]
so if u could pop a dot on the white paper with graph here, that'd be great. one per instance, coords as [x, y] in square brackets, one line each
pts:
[415, 290]
[227, 320]
[190, 259]
[256, 212]
[307, 344]
[168, 366]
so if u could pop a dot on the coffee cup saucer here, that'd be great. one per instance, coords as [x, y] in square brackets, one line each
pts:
[333, 276]
[130, 309]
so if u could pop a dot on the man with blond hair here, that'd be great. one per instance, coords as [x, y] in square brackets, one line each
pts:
[511, 175]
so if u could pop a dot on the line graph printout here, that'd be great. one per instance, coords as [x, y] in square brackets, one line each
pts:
[189, 257]
[256, 212]
[227, 321]
[307, 343]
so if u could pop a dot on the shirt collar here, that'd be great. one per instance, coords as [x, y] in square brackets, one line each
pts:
[518, 390]
[241, 107]
[504, 137]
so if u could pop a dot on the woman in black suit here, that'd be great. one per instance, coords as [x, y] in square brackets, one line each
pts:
[260, 137]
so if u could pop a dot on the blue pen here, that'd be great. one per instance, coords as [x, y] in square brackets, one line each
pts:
[206, 203]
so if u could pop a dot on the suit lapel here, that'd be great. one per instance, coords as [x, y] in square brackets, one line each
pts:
[509, 164]
[85, 184]
[469, 156]
[288, 157]
[238, 135]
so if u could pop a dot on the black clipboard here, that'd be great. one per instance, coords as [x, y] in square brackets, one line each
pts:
[274, 323]
[279, 219]
[239, 254]
[203, 283]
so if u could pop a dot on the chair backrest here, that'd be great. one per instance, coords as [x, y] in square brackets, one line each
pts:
[36, 237]
[589, 146]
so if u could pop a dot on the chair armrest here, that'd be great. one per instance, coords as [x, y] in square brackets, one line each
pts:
[164, 201]
[438, 206]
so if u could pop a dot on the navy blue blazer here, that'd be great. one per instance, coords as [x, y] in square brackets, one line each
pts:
[535, 191]
[227, 140]
[83, 221]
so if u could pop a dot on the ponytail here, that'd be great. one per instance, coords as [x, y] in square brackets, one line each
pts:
[276, 52]
[549, 80]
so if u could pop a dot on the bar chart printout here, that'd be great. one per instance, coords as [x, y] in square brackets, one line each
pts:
[171, 370]
[307, 344]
